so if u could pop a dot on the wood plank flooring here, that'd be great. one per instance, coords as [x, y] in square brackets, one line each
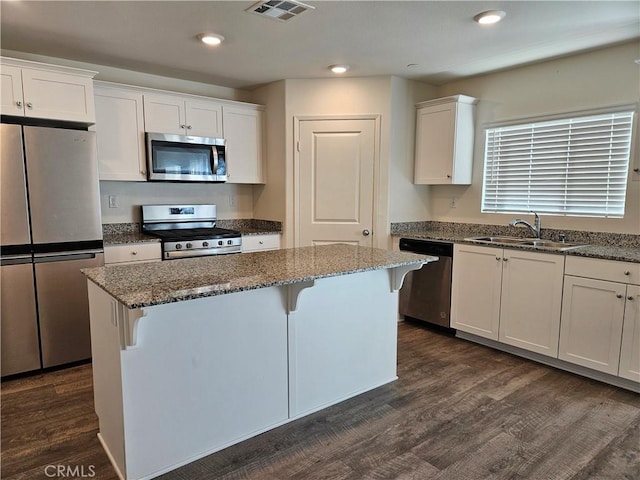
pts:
[459, 411]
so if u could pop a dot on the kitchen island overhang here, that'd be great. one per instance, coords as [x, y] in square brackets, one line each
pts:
[191, 356]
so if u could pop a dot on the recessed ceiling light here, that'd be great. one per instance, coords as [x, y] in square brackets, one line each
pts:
[210, 38]
[338, 68]
[489, 17]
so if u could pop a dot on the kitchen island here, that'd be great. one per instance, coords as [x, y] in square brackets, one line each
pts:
[191, 356]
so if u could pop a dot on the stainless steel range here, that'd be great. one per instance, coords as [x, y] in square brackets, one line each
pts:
[189, 231]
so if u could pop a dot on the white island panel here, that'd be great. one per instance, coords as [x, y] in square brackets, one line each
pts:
[204, 374]
[191, 356]
[342, 340]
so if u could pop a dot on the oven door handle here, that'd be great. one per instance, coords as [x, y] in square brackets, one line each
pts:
[214, 151]
[202, 252]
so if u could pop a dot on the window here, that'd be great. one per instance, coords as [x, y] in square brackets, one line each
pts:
[571, 166]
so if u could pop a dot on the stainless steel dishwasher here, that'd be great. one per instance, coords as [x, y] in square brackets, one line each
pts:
[426, 293]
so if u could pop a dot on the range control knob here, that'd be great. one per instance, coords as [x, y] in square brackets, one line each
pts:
[178, 246]
[220, 242]
[189, 245]
[229, 242]
[205, 244]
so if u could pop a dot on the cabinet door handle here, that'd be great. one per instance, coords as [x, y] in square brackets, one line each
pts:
[365, 232]
[505, 259]
[619, 295]
[627, 273]
[188, 127]
[19, 104]
[183, 126]
[29, 105]
[498, 259]
[630, 297]
[134, 253]
[448, 176]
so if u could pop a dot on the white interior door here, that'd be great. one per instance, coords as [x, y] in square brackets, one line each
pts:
[336, 181]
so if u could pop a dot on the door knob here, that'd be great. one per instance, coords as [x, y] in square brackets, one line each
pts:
[365, 232]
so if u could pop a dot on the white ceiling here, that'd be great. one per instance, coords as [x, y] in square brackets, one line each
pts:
[374, 37]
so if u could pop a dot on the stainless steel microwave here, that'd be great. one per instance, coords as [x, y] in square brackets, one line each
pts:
[180, 158]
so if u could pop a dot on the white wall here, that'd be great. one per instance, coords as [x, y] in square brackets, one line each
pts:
[392, 98]
[340, 96]
[407, 202]
[130, 195]
[270, 199]
[587, 81]
[130, 77]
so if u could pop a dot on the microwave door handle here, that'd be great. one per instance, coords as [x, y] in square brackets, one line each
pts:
[214, 150]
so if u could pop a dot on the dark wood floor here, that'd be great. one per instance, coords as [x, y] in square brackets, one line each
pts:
[458, 412]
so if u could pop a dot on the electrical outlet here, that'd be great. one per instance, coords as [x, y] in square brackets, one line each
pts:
[232, 200]
[113, 201]
[454, 202]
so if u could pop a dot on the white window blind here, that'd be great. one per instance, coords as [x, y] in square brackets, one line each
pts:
[572, 166]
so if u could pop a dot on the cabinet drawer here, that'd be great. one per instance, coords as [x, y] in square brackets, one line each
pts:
[623, 272]
[252, 243]
[136, 252]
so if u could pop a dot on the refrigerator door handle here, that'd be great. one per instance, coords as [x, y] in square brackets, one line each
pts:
[65, 256]
[15, 259]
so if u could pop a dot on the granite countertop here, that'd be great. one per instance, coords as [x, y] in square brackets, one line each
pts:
[128, 237]
[149, 284]
[258, 231]
[624, 254]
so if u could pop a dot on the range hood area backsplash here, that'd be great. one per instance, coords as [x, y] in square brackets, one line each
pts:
[232, 200]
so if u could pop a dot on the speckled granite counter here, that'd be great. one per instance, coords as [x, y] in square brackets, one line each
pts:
[125, 233]
[623, 254]
[620, 247]
[128, 237]
[149, 284]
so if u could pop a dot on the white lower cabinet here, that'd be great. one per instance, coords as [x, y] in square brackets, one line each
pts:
[132, 253]
[508, 295]
[630, 348]
[600, 325]
[476, 289]
[255, 243]
[531, 301]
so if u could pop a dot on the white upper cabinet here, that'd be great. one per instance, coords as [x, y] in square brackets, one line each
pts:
[444, 141]
[120, 133]
[180, 116]
[11, 100]
[243, 134]
[37, 90]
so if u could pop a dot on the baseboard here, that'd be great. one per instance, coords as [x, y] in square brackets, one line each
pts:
[553, 362]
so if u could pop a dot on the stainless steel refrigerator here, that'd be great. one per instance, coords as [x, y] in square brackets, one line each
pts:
[50, 229]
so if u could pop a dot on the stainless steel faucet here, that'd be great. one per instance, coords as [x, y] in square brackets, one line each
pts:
[535, 228]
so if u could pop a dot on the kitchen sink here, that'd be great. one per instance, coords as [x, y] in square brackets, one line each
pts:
[551, 244]
[498, 239]
[527, 242]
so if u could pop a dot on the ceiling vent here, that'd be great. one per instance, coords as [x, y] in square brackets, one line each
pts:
[282, 10]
